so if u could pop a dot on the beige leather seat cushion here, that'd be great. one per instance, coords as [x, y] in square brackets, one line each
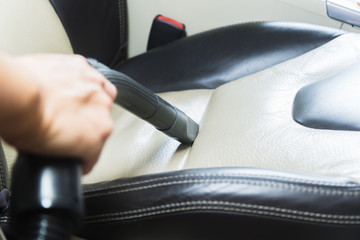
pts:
[245, 123]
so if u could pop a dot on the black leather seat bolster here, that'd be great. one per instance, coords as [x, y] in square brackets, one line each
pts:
[212, 58]
[96, 28]
[332, 103]
[253, 203]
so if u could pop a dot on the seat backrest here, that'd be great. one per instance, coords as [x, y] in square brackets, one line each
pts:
[93, 28]
[31, 27]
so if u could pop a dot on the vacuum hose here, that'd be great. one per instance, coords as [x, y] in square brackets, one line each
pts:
[147, 105]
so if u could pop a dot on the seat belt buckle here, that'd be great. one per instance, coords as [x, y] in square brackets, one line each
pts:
[165, 30]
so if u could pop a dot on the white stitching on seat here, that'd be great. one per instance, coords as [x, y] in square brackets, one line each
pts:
[227, 206]
[233, 204]
[287, 186]
[269, 177]
[5, 219]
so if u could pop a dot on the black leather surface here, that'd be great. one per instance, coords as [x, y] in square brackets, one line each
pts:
[96, 28]
[332, 103]
[223, 202]
[217, 226]
[212, 58]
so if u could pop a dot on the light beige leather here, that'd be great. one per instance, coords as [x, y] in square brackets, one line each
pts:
[246, 123]
[136, 148]
[31, 27]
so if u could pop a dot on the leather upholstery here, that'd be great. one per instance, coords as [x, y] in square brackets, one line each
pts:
[332, 103]
[247, 122]
[215, 57]
[245, 125]
[227, 202]
[31, 27]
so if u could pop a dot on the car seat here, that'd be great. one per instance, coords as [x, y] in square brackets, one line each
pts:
[277, 152]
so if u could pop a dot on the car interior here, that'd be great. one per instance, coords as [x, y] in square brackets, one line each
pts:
[259, 102]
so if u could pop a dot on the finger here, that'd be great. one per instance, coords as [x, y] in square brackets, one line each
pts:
[99, 78]
[89, 163]
[110, 89]
[105, 84]
[95, 76]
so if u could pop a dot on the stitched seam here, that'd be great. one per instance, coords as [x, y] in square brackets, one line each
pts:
[309, 219]
[5, 219]
[121, 20]
[314, 190]
[268, 177]
[232, 204]
[227, 206]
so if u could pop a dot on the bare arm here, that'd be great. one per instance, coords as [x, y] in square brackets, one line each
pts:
[55, 105]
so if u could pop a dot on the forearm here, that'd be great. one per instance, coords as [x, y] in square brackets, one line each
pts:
[19, 98]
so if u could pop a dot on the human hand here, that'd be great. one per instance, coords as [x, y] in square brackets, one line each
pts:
[69, 113]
